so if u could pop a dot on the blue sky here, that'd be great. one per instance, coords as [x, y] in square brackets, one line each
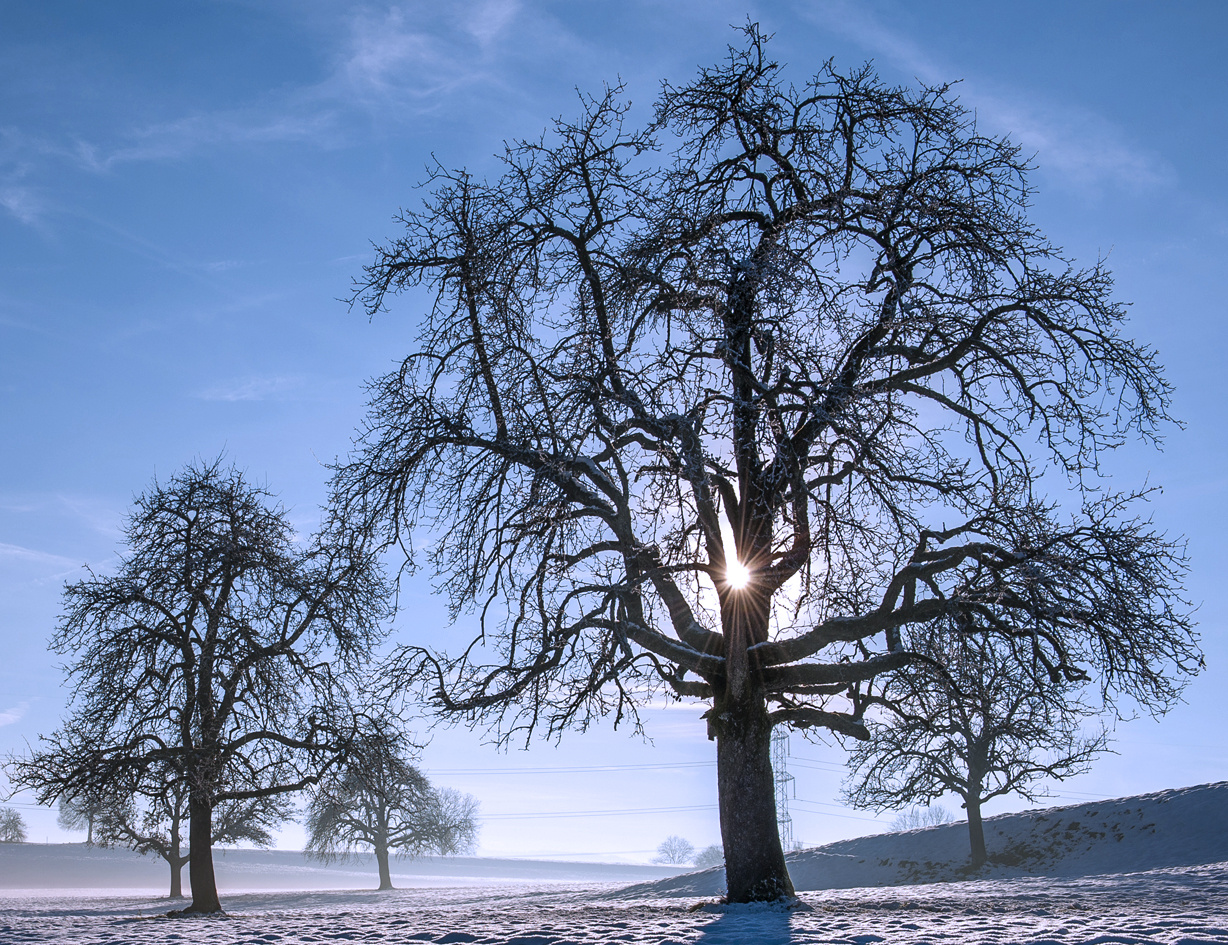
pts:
[186, 191]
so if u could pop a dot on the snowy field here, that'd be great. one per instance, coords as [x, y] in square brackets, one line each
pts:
[1142, 869]
[1180, 905]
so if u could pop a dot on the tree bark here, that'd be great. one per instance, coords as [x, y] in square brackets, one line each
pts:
[381, 857]
[200, 855]
[176, 859]
[755, 868]
[976, 830]
[176, 866]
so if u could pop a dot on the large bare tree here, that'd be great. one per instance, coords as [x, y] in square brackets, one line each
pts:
[968, 722]
[724, 403]
[217, 651]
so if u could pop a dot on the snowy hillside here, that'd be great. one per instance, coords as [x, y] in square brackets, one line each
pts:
[1185, 827]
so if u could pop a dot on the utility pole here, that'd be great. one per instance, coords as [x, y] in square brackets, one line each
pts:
[784, 786]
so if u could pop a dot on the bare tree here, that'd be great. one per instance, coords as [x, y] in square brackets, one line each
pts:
[709, 857]
[380, 802]
[452, 819]
[12, 826]
[218, 649]
[918, 818]
[724, 404]
[970, 723]
[80, 813]
[674, 850]
[153, 816]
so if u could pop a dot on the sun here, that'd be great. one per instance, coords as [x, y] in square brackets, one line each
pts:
[737, 575]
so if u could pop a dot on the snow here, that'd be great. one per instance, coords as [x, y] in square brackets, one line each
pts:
[1052, 884]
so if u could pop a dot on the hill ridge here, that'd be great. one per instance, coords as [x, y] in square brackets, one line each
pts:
[1175, 827]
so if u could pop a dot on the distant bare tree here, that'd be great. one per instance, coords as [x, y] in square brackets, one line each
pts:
[916, 818]
[380, 802]
[12, 826]
[452, 817]
[80, 813]
[709, 857]
[673, 850]
[970, 723]
[218, 649]
[153, 817]
[725, 403]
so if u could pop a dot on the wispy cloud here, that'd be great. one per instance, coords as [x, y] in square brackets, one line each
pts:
[404, 57]
[401, 60]
[1071, 142]
[490, 20]
[33, 556]
[252, 388]
[21, 202]
[187, 135]
[9, 716]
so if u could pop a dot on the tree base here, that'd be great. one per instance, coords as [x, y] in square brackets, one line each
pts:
[783, 904]
[192, 912]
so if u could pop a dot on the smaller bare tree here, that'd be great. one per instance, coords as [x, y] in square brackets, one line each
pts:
[12, 826]
[154, 817]
[709, 857]
[920, 817]
[452, 822]
[80, 812]
[220, 649]
[674, 850]
[967, 721]
[381, 802]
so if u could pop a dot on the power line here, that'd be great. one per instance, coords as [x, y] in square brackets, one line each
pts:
[534, 815]
[827, 813]
[818, 765]
[532, 856]
[572, 769]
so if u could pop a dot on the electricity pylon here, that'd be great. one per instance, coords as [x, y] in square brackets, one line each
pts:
[784, 786]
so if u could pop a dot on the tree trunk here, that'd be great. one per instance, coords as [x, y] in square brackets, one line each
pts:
[176, 865]
[176, 859]
[381, 857]
[755, 868]
[200, 854]
[976, 830]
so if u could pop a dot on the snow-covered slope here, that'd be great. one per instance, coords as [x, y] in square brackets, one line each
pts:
[1185, 827]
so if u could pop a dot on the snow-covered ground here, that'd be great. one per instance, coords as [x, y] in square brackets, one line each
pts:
[1184, 905]
[1089, 875]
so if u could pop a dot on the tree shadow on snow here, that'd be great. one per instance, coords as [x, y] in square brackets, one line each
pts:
[738, 925]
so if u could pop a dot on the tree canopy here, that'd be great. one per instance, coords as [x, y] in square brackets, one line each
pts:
[724, 403]
[12, 826]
